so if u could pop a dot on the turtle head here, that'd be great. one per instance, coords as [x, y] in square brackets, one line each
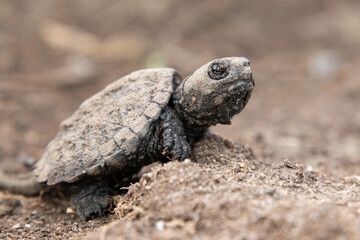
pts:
[215, 92]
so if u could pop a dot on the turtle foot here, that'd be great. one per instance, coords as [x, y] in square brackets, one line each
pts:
[91, 200]
[173, 135]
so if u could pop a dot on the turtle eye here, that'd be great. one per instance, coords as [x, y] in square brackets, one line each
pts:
[219, 70]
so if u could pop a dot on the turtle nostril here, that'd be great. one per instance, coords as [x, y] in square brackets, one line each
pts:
[246, 64]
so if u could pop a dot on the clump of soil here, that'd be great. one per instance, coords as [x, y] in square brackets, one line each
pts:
[224, 193]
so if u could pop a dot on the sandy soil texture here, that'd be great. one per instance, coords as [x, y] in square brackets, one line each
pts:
[290, 169]
[224, 193]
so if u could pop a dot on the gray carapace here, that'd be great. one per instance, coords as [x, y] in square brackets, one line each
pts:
[146, 116]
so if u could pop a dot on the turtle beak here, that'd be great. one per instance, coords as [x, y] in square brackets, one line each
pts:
[248, 75]
[252, 80]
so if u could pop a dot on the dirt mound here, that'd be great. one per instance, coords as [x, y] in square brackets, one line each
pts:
[224, 193]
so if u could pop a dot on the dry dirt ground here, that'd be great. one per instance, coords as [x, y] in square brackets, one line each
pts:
[291, 169]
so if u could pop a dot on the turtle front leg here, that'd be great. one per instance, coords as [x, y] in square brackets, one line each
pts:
[173, 139]
[91, 200]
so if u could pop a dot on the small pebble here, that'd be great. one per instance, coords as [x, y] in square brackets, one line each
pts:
[16, 226]
[27, 225]
[187, 161]
[70, 210]
[160, 225]
[241, 177]
[289, 164]
[228, 143]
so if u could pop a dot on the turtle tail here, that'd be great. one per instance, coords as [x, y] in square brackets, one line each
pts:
[25, 184]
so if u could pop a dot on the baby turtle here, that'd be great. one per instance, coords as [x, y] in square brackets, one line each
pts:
[146, 116]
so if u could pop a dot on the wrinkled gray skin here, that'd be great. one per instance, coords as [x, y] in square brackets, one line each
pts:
[146, 116]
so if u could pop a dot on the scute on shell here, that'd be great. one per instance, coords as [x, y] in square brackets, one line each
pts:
[107, 128]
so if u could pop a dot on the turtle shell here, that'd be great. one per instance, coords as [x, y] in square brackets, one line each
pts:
[107, 129]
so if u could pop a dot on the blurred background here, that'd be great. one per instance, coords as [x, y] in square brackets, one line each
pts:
[304, 54]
